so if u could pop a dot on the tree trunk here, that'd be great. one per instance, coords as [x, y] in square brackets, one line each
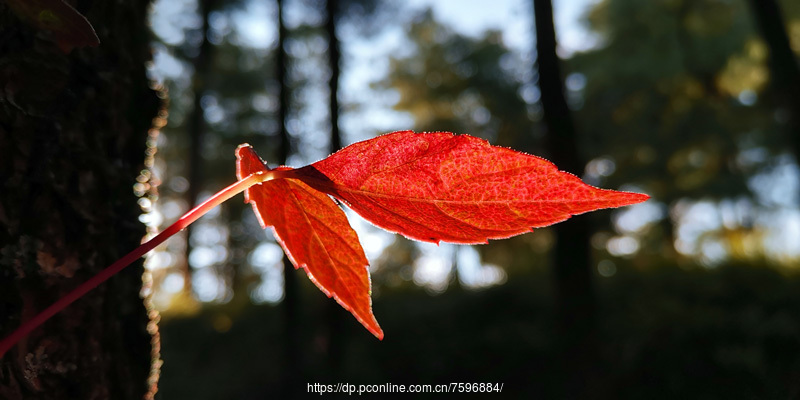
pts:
[783, 64]
[334, 56]
[576, 314]
[335, 313]
[291, 286]
[73, 129]
[197, 129]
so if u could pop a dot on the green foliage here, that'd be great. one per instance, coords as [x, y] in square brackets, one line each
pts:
[661, 95]
[451, 82]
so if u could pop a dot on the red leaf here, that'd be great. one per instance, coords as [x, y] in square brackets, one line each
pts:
[315, 234]
[431, 187]
[455, 188]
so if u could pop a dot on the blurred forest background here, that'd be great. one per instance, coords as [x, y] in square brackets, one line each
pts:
[694, 293]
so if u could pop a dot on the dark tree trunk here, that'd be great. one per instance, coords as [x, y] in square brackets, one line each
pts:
[285, 145]
[334, 56]
[336, 314]
[576, 314]
[783, 63]
[291, 288]
[73, 129]
[197, 127]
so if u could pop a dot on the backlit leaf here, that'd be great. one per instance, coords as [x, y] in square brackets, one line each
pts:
[315, 234]
[455, 188]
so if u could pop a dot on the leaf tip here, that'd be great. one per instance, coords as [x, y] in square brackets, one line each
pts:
[617, 198]
[372, 325]
[636, 198]
[241, 148]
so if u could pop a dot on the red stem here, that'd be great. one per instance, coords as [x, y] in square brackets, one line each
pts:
[129, 258]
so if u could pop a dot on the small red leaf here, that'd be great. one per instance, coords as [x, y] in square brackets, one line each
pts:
[455, 188]
[315, 234]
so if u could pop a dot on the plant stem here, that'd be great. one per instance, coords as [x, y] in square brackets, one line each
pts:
[129, 258]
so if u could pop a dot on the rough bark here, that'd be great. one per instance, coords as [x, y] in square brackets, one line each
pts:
[576, 313]
[72, 142]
